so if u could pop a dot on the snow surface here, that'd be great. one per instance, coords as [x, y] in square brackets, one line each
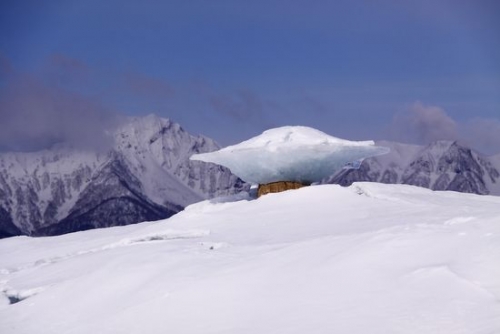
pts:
[370, 258]
[290, 153]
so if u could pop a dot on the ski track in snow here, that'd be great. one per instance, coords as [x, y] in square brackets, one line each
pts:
[142, 240]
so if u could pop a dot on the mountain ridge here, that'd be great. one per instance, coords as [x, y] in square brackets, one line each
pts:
[440, 165]
[147, 174]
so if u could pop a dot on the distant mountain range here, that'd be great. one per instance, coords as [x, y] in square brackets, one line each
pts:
[147, 175]
[441, 165]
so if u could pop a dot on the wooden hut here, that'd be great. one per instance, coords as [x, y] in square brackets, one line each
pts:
[276, 187]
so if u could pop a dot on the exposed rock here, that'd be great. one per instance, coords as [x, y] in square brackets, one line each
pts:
[146, 176]
[442, 165]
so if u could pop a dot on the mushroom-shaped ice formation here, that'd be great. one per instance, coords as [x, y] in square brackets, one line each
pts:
[290, 153]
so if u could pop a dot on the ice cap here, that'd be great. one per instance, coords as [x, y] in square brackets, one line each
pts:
[290, 153]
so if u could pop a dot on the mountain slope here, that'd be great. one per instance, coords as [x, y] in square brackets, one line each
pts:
[114, 197]
[146, 176]
[369, 258]
[442, 165]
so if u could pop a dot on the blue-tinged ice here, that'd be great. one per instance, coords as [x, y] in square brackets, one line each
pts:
[291, 153]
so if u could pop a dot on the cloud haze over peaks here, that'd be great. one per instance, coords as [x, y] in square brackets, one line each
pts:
[423, 124]
[66, 101]
[145, 86]
[38, 112]
[483, 133]
[244, 105]
[63, 69]
[227, 115]
[35, 116]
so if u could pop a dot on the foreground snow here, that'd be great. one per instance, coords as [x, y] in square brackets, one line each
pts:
[370, 258]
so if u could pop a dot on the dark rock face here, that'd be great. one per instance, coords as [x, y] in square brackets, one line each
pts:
[113, 198]
[7, 227]
[115, 211]
[363, 173]
[418, 173]
[146, 176]
[439, 166]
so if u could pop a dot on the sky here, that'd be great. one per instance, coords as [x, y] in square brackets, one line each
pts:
[409, 71]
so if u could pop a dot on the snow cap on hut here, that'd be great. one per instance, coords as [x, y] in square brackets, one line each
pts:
[291, 153]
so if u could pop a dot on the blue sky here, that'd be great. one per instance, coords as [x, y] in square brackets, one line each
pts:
[412, 71]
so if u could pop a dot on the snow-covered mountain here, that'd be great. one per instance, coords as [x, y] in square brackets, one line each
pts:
[147, 175]
[442, 165]
[369, 258]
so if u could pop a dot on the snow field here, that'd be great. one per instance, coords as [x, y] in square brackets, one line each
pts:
[369, 258]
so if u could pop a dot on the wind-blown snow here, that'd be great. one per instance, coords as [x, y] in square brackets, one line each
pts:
[290, 153]
[370, 258]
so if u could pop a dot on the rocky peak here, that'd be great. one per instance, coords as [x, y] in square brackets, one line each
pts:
[147, 174]
[441, 165]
